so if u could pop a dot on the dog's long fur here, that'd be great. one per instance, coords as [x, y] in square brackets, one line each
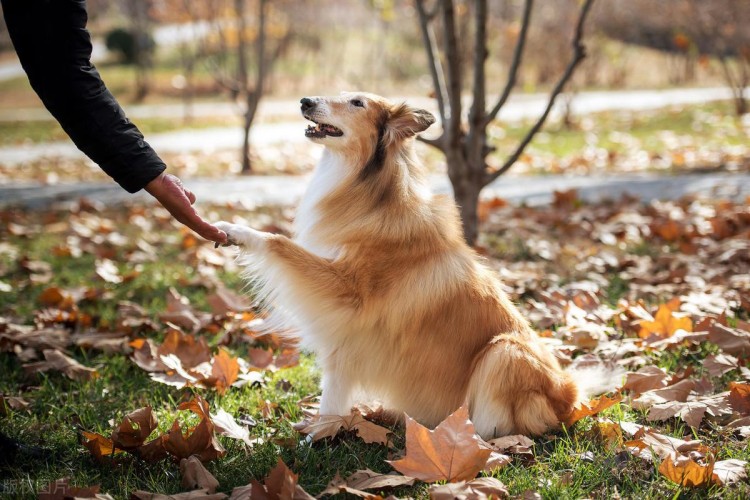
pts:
[379, 283]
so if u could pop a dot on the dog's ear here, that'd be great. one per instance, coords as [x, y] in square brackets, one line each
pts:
[405, 121]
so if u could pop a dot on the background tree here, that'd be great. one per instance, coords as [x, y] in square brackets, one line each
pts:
[266, 39]
[464, 144]
[142, 43]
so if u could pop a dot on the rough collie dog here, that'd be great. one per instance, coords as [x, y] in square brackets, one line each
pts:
[379, 283]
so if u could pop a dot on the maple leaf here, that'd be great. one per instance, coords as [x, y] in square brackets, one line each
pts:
[323, 426]
[201, 494]
[517, 443]
[99, 446]
[134, 429]
[452, 452]
[56, 360]
[666, 321]
[480, 489]
[591, 408]
[676, 392]
[198, 440]
[647, 378]
[739, 397]
[224, 371]
[729, 471]
[227, 426]
[61, 489]
[731, 340]
[280, 484]
[687, 472]
[719, 364]
[195, 476]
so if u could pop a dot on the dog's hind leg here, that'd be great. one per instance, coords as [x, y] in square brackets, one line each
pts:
[518, 387]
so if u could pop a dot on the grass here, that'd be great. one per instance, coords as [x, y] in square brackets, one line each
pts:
[50, 431]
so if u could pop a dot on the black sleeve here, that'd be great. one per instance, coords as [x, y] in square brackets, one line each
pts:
[54, 47]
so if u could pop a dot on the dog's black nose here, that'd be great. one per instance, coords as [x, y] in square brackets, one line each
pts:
[307, 104]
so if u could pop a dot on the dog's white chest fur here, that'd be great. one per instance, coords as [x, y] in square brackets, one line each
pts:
[328, 175]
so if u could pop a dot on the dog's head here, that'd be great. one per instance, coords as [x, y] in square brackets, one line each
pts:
[361, 124]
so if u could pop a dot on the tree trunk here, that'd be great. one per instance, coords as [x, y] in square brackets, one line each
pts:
[466, 190]
[246, 165]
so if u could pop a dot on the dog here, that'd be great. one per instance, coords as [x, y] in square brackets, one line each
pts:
[379, 283]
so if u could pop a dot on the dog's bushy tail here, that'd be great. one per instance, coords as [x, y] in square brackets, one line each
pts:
[595, 380]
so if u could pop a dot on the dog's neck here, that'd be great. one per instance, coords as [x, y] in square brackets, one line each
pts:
[336, 177]
[328, 175]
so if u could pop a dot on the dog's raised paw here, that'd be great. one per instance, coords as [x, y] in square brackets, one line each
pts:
[232, 231]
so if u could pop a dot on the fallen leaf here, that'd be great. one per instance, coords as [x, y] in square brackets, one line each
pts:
[61, 489]
[592, 408]
[731, 340]
[647, 378]
[686, 472]
[666, 322]
[676, 392]
[517, 443]
[227, 426]
[201, 494]
[739, 397]
[730, 471]
[280, 484]
[480, 489]
[324, 426]
[56, 360]
[719, 364]
[99, 446]
[195, 476]
[134, 429]
[452, 452]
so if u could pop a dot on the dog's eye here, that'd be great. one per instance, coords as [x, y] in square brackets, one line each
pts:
[358, 103]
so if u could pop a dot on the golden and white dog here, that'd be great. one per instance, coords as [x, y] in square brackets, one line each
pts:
[379, 283]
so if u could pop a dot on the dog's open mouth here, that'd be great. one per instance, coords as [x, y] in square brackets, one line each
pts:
[322, 130]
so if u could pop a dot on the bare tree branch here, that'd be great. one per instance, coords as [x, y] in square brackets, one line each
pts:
[435, 143]
[515, 63]
[579, 53]
[433, 58]
[476, 114]
[452, 126]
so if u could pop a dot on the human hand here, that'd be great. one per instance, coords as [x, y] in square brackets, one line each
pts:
[178, 200]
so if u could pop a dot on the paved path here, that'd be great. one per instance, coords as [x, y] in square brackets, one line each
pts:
[291, 129]
[286, 190]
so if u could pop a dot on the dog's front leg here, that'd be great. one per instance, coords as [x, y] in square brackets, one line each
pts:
[243, 236]
[337, 394]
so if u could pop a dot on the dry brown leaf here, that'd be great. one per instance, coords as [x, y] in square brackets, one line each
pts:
[739, 397]
[134, 429]
[480, 489]
[201, 494]
[593, 407]
[107, 270]
[280, 484]
[195, 476]
[648, 443]
[731, 340]
[647, 378]
[609, 433]
[517, 443]
[687, 472]
[227, 426]
[666, 322]
[61, 489]
[719, 364]
[13, 403]
[730, 471]
[223, 301]
[56, 360]
[676, 392]
[110, 342]
[99, 446]
[369, 480]
[452, 452]
[323, 426]
[692, 412]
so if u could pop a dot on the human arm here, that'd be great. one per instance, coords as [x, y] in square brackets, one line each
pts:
[55, 48]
